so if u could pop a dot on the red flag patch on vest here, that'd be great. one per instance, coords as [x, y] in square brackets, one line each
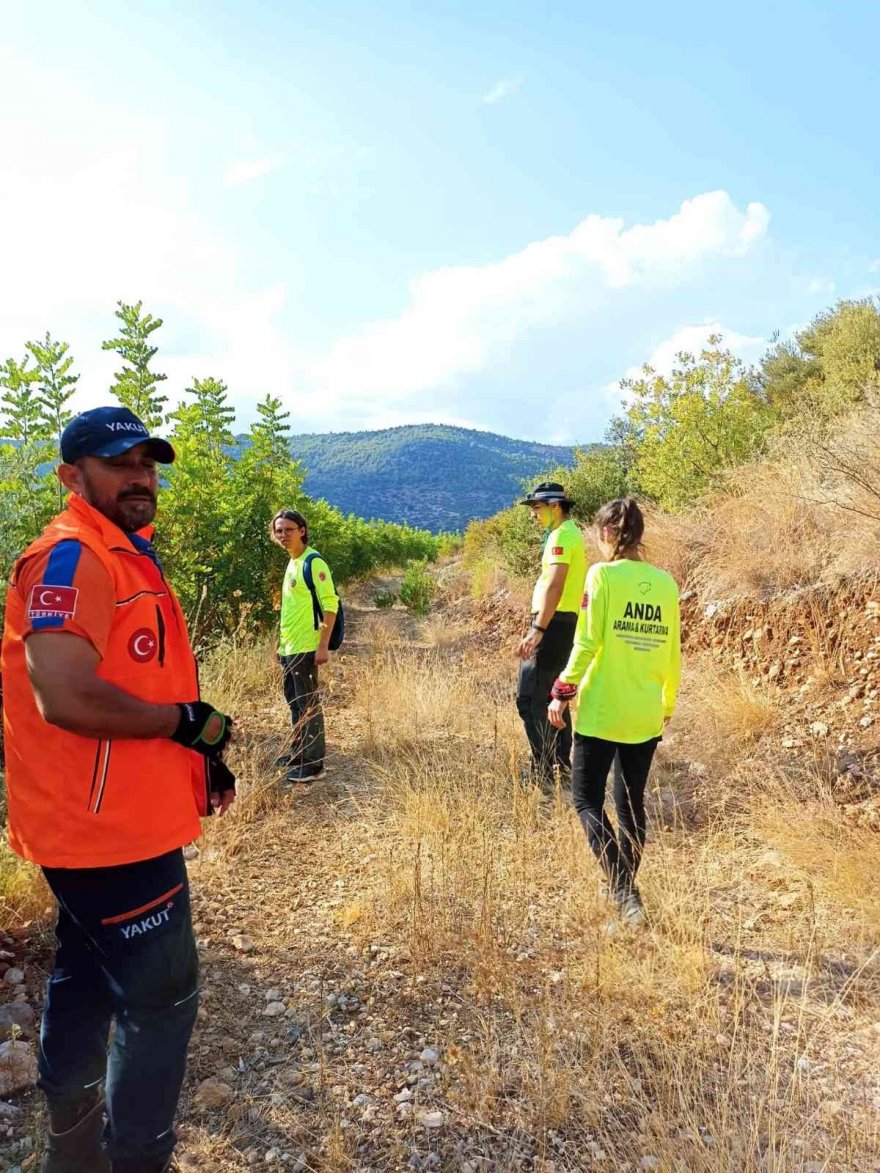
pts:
[585, 601]
[52, 601]
[558, 550]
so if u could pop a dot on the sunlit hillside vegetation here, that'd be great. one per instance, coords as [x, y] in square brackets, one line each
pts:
[216, 504]
[759, 479]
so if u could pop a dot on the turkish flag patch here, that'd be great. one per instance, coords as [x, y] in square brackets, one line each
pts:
[322, 576]
[585, 601]
[48, 601]
[558, 550]
[142, 645]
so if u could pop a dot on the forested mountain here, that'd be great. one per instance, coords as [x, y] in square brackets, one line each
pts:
[430, 475]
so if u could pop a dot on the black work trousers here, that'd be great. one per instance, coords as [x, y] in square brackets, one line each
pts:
[618, 855]
[125, 951]
[548, 746]
[308, 744]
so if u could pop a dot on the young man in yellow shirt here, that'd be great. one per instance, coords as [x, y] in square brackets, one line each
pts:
[544, 651]
[303, 644]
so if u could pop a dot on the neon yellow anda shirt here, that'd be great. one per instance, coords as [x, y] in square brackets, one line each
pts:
[298, 632]
[627, 652]
[564, 546]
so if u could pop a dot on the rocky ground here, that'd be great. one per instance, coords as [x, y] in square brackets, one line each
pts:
[331, 1036]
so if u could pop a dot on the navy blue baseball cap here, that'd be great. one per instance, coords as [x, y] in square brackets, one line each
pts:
[109, 431]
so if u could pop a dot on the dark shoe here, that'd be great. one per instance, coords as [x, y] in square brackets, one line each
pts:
[631, 908]
[76, 1148]
[303, 775]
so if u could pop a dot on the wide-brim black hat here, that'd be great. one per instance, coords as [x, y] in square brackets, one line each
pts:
[547, 493]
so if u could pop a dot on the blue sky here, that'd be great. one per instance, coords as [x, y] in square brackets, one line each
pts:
[483, 214]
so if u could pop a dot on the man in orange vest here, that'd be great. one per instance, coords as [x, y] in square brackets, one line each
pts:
[111, 757]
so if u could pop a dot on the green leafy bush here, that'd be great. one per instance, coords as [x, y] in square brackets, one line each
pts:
[418, 588]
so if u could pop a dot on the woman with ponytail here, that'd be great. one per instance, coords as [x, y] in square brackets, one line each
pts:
[624, 670]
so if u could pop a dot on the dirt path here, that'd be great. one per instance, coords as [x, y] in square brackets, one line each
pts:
[373, 1002]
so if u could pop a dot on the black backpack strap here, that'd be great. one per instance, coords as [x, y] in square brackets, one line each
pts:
[309, 579]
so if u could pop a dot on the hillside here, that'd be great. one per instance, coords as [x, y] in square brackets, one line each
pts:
[429, 475]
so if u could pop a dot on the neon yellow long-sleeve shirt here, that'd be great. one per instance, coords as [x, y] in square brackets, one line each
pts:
[626, 656]
[298, 632]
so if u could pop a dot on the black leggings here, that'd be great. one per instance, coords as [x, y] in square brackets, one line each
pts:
[618, 856]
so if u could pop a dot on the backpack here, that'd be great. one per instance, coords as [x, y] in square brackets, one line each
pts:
[338, 633]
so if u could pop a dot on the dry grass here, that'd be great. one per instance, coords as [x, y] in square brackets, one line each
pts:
[24, 896]
[675, 1044]
[725, 712]
[735, 1033]
[808, 514]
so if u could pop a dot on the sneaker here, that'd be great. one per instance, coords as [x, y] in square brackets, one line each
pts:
[632, 910]
[303, 776]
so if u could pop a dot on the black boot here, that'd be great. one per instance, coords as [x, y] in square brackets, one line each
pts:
[75, 1132]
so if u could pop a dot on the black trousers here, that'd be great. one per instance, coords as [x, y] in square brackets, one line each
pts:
[125, 950]
[308, 745]
[620, 855]
[536, 676]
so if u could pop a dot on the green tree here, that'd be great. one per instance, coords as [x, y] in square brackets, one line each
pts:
[195, 524]
[846, 341]
[787, 378]
[24, 487]
[54, 382]
[692, 426]
[23, 416]
[137, 386]
[827, 368]
[264, 479]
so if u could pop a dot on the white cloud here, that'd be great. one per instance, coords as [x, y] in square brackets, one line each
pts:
[691, 339]
[502, 89]
[243, 171]
[93, 210]
[461, 319]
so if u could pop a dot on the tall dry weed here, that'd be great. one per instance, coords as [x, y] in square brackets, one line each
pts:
[677, 1044]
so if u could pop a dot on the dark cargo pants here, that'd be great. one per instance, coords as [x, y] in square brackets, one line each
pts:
[125, 951]
[308, 746]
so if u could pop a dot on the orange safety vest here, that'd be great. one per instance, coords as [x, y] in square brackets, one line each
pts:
[82, 802]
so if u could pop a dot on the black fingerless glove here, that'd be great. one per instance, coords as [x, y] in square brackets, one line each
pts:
[202, 728]
[220, 781]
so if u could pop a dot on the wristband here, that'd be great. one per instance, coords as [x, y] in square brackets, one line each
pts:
[563, 692]
[535, 627]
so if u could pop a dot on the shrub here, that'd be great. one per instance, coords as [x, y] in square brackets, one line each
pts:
[418, 587]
